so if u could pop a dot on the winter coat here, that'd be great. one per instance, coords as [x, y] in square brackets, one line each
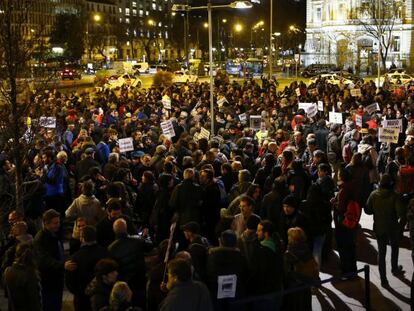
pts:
[49, 257]
[88, 207]
[83, 166]
[384, 204]
[334, 151]
[191, 295]
[23, 288]
[55, 179]
[369, 151]
[85, 258]
[186, 201]
[99, 293]
[226, 261]
[129, 252]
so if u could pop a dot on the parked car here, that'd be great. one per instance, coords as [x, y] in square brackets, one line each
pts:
[116, 81]
[356, 79]
[153, 69]
[70, 74]
[332, 78]
[181, 76]
[317, 69]
[397, 78]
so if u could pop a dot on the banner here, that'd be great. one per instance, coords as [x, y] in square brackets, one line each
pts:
[393, 123]
[168, 128]
[335, 117]
[356, 92]
[320, 105]
[358, 120]
[372, 108]
[204, 134]
[312, 111]
[126, 144]
[388, 135]
[255, 122]
[305, 106]
[47, 122]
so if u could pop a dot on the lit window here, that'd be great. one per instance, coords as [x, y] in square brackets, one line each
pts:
[134, 4]
[396, 44]
[159, 24]
[134, 12]
[154, 6]
[127, 11]
[127, 20]
[318, 15]
[141, 13]
[146, 13]
[120, 10]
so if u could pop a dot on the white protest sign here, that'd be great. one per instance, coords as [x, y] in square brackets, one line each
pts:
[305, 106]
[393, 123]
[126, 144]
[166, 102]
[312, 111]
[47, 122]
[335, 117]
[356, 92]
[372, 108]
[243, 117]
[358, 120]
[204, 134]
[388, 135]
[297, 91]
[227, 285]
[168, 128]
[255, 122]
[221, 101]
[320, 105]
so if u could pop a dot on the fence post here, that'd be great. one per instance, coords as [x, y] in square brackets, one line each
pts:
[367, 288]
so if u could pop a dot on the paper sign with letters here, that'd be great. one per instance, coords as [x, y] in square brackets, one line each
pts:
[305, 106]
[297, 91]
[394, 123]
[388, 135]
[358, 120]
[335, 117]
[227, 285]
[372, 108]
[356, 92]
[255, 122]
[312, 111]
[320, 105]
[168, 128]
[126, 144]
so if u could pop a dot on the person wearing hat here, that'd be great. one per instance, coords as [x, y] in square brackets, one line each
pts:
[384, 204]
[291, 217]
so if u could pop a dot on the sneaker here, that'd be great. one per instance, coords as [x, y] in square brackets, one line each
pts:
[398, 271]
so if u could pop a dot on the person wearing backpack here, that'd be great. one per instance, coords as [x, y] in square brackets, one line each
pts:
[369, 157]
[345, 234]
[384, 203]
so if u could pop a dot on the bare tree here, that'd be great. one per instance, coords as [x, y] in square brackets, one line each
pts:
[378, 17]
[18, 44]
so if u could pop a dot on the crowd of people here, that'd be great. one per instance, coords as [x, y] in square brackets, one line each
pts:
[195, 222]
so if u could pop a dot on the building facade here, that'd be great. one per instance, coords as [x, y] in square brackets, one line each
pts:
[335, 33]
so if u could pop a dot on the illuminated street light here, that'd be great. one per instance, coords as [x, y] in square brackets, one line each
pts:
[97, 18]
[151, 22]
[238, 27]
[205, 25]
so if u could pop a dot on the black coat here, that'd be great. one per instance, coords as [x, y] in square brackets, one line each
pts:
[85, 258]
[83, 166]
[104, 230]
[49, 258]
[129, 252]
[186, 201]
[226, 261]
[23, 288]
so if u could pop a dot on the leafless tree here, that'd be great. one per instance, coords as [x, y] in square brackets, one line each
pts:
[378, 17]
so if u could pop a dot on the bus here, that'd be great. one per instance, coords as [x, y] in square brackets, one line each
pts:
[234, 67]
[253, 67]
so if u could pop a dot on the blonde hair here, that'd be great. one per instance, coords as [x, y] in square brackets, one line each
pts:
[296, 235]
[120, 294]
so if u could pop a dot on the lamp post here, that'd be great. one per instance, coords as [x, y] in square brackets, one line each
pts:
[270, 39]
[209, 7]
[96, 18]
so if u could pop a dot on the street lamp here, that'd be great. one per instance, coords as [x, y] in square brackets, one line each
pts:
[96, 18]
[209, 7]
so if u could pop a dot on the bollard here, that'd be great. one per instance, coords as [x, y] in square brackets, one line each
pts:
[367, 288]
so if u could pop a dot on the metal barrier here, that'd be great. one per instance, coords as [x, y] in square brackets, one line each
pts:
[344, 278]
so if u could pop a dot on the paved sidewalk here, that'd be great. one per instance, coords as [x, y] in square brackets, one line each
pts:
[348, 295]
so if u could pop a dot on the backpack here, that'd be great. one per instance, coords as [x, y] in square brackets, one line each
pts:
[367, 160]
[352, 215]
[347, 153]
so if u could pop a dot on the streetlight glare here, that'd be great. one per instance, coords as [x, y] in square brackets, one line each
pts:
[151, 22]
[224, 20]
[241, 5]
[205, 25]
[97, 17]
[238, 27]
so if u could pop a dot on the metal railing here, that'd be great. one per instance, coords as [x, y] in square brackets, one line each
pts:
[344, 278]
